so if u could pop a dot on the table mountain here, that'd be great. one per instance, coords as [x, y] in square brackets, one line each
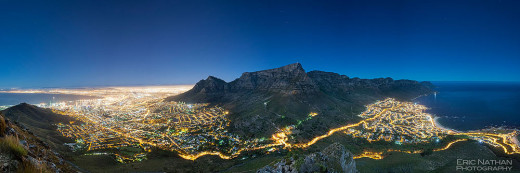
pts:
[262, 101]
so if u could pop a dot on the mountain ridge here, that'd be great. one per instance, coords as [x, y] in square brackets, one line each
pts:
[262, 101]
[41, 122]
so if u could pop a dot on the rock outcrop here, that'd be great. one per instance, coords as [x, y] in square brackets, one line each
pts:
[286, 79]
[334, 158]
[21, 151]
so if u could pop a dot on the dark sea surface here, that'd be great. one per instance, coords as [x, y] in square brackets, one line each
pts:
[17, 98]
[475, 105]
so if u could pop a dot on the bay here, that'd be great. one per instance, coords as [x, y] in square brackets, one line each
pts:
[475, 105]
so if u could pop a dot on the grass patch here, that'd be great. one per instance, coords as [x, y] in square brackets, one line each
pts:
[29, 167]
[3, 125]
[12, 144]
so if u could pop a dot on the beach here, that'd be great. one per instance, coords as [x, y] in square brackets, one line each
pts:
[439, 125]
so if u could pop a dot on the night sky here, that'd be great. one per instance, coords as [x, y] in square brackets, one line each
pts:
[98, 43]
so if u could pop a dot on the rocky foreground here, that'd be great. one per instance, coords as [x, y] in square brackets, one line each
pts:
[334, 158]
[21, 151]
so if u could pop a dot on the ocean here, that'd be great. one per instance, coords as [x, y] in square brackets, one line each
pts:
[9, 99]
[475, 105]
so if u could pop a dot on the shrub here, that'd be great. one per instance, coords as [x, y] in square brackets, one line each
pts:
[3, 125]
[12, 144]
[30, 167]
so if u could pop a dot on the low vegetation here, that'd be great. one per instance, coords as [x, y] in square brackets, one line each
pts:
[3, 126]
[12, 145]
[30, 167]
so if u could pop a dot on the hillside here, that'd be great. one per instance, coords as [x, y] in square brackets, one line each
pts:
[263, 101]
[333, 158]
[21, 151]
[42, 122]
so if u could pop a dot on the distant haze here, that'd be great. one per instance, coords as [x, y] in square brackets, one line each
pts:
[100, 43]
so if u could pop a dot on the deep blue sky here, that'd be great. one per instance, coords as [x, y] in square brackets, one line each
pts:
[86, 43]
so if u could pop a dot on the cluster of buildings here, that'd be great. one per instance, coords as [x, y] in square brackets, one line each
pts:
[402, 122]
[116, 120]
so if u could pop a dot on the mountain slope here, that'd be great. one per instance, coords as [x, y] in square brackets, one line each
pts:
[262, 101]
[334, 158]
[21, 151]
[41, 122]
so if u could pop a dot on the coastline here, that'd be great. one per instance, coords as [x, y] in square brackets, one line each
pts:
[439, 125]
[435, 118]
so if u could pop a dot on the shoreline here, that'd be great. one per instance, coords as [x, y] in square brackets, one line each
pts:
[439, 125]
[435, 118]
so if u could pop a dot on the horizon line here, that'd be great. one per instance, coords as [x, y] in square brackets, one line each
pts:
[144, 85]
